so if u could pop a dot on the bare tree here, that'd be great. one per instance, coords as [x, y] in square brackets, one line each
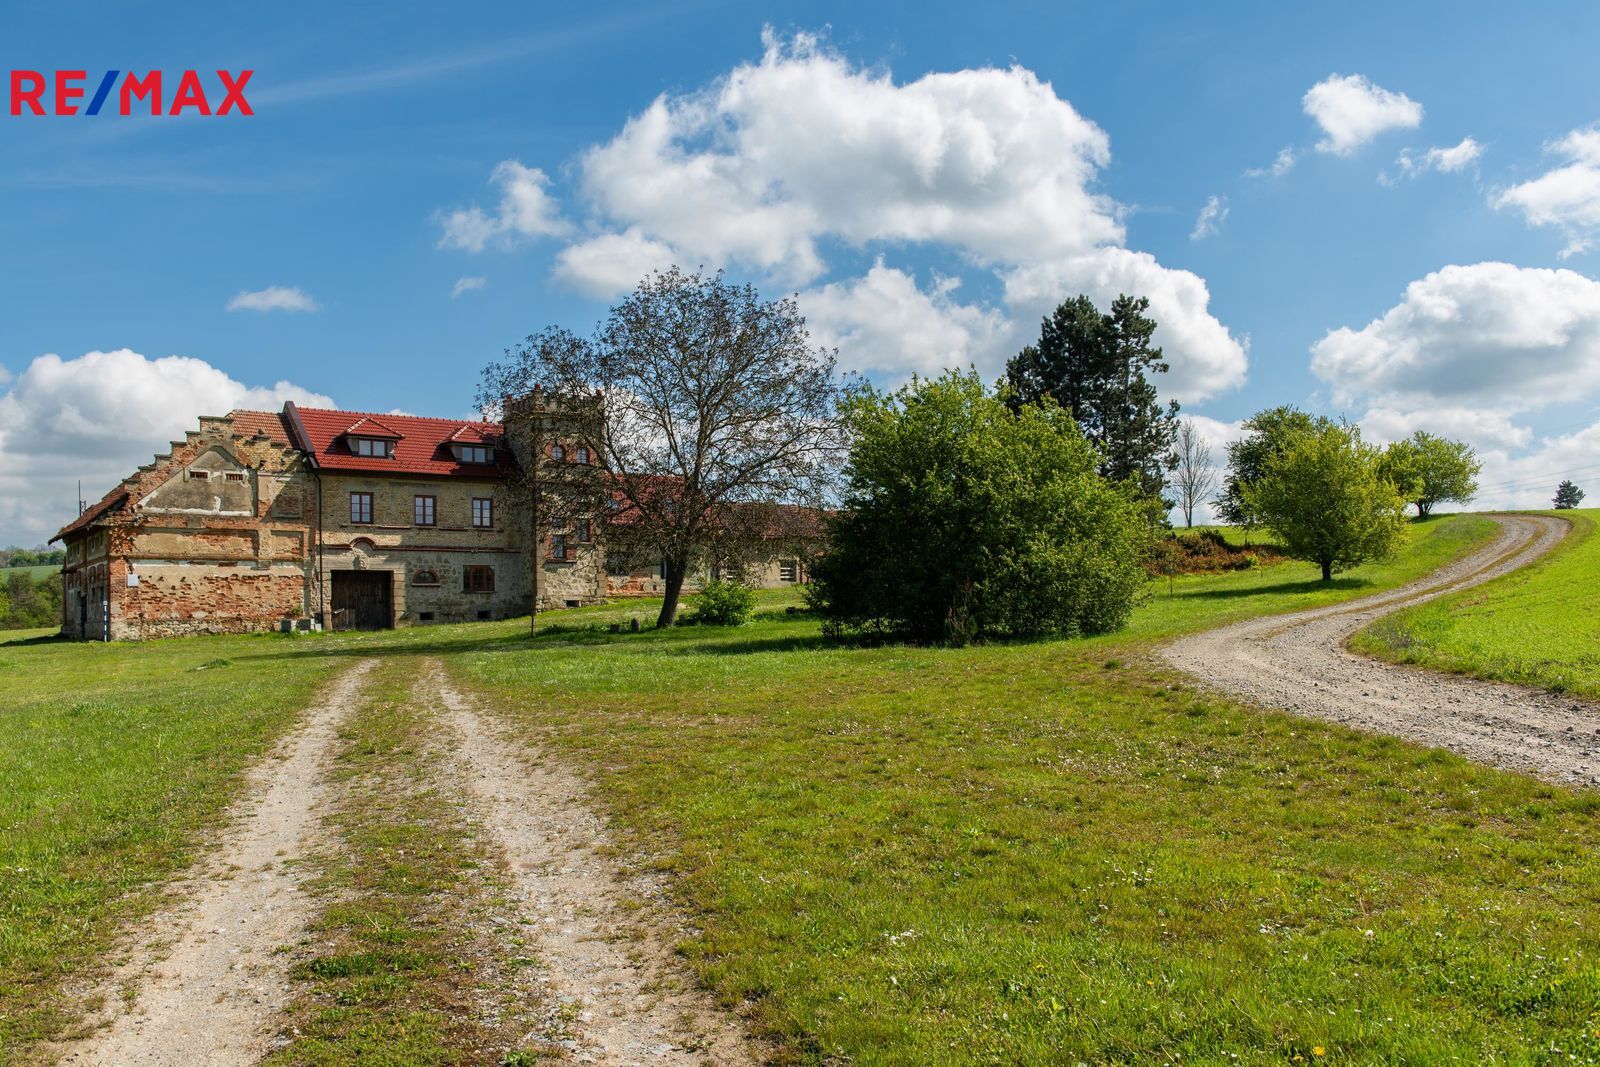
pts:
[702, 401]
[1195, 477]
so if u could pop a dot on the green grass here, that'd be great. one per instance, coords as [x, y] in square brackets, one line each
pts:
[113, 761]
[1024, 853]
[34, 573]
[1539, 626]
[1042, 853]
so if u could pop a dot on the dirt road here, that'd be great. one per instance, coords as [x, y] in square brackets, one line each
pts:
[1299, 663]
[210, 978]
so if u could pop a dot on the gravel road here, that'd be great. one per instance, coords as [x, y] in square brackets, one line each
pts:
[1299, 663]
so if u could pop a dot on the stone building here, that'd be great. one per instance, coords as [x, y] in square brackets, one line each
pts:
[341, 519]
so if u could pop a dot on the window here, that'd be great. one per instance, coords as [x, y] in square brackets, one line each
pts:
[361, 508]
[199, 476]
[558, 452]
[424, 616]
[234, 476]
[482, 512]
[788, 570]
[372, 446]
[423, 510]
[559, 549]
[477, 579]
[583, 530]
[581, 454]
[474, 454]
[425, 578]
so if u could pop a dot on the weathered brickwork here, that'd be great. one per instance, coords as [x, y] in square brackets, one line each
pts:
[258, 520]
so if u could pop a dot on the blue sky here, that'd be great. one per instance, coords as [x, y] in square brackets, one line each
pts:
[928, 178]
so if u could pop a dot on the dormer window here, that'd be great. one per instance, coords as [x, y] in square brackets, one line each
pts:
[558, 452]
[480, 454]
[376, 447]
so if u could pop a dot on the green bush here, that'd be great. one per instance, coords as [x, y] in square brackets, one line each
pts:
[963, 520]
[722, 603]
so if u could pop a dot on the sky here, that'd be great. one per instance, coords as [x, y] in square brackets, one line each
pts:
[1389, 213]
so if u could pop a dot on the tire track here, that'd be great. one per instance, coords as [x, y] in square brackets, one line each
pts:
[209, 982]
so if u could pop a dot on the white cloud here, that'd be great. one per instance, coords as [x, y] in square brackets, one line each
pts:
[1210, 219]
[1480, 426]
[273, 298]
[888, 324]
[1352, 111]
[98, 417]
[1444, 160]
[1566, 197]
[467, 285]
[1281, 164]
[526, 210]
[612, 263]
[1205, 358]
[1490, 335]
[771, 167]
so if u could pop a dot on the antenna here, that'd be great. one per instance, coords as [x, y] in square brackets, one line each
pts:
[81, 505]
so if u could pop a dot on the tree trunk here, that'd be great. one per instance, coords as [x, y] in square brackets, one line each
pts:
[1423, 509]
[674, 572]
[1327, 570]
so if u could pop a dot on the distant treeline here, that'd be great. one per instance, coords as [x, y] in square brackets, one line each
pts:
[15, 556]
[27, 603]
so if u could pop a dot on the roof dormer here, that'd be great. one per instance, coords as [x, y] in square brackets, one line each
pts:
[370, 437]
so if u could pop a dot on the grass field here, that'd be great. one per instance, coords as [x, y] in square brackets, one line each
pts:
[1539, 626]
[114, 759]
[33, 573]
[1028, 853]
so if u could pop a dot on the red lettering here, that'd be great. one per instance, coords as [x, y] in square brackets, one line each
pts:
[149, 87]
[66, 92]
[190, 94]
[27, 86]
[235, 92]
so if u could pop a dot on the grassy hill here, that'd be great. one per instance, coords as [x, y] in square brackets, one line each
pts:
[1016, 853]
[1538, 626]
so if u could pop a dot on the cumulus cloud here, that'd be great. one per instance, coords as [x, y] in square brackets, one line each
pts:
[1210, 219]
[612, 263]
[1566, 197]
[273, 298]
[1488, 335]
[526, 210]
[97, 417]
[467, 285]
[888, 324]
[1350, 110]
[1444, 160]
[771, 168]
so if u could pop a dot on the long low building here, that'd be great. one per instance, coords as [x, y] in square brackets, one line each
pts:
[334, 519]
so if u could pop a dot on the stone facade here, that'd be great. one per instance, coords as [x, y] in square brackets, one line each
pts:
[341, 520]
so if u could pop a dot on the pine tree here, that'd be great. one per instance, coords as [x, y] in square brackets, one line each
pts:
[1567, 496]
[1098, 366]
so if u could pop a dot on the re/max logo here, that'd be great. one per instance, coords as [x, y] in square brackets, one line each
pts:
[29, 89]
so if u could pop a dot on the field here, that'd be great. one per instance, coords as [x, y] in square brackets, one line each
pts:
[1539, 626]
[1010, 853]
[34, 573]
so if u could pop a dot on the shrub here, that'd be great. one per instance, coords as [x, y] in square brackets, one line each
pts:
[963, 520]
[722, 603]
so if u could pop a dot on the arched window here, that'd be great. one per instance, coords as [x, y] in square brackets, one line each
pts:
[558, 452]
[424, 578]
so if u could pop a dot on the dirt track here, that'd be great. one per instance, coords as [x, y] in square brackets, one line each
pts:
[1299, 663]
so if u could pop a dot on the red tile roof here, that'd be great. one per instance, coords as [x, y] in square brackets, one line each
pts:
[270, 423]
[421, 445]
[103, 509]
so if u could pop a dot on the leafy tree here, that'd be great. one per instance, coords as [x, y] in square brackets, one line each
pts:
[1266, 434]
[27, 604]
[1194, 477]
[964, 519]
[1429, 470]
[1324, 495]
[702, 402]
[1567, 496]
[1097, 367]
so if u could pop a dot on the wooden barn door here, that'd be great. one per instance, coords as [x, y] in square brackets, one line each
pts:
[363, 600]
